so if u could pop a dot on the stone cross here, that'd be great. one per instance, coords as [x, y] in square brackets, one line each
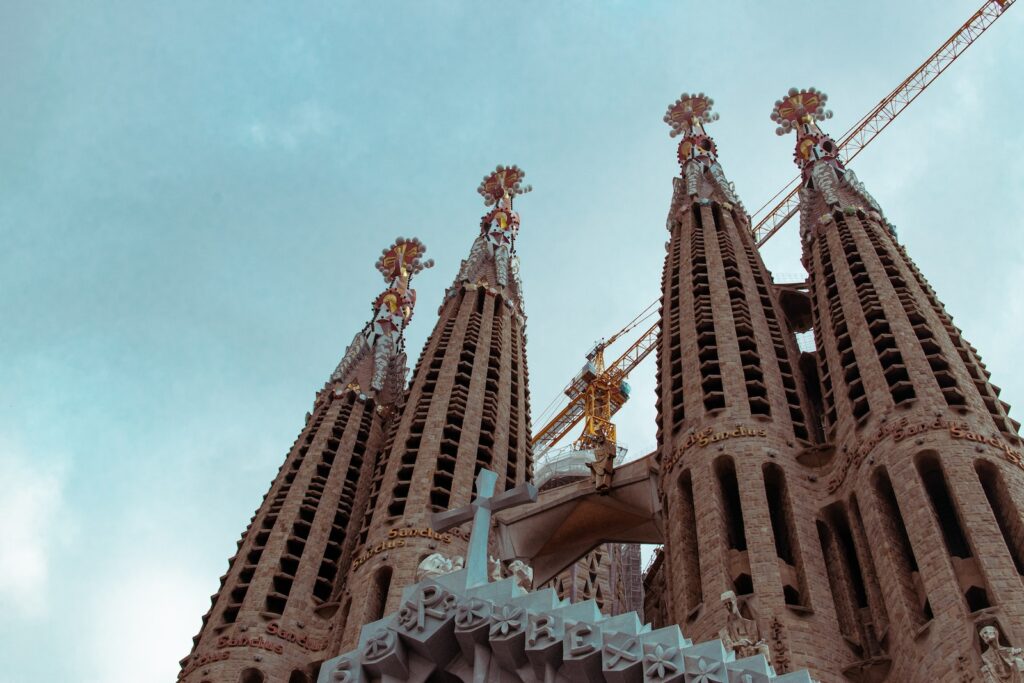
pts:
[480, 511]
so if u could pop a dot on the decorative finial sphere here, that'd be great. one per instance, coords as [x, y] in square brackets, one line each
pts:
[797, 106]
[403, 255]
[682, 112]
[504, 179]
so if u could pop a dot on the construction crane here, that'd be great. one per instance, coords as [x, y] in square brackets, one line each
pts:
[875, 121]
[597, 392]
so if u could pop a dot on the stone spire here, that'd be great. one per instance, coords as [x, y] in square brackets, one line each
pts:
[466, 409]
[375, 360]
[817, 154]
[492, 260]
[275, 611]
[697, 153]
[732, 419]
[921, 538]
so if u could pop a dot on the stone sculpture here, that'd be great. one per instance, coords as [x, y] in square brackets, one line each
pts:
[603, 466]
[741, 634]
[437, 564]
[999, 663]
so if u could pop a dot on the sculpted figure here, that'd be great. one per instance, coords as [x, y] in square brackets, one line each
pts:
[603, 466]
[437, 564]
[522, 573]
[741, 635]
[999, 663]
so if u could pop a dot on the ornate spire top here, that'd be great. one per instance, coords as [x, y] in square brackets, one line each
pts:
[800, 106]
[381, 339]
[817, 154]
[686, 117]
[402, 260]
[503, 182]
[689, 112]
[800, 110]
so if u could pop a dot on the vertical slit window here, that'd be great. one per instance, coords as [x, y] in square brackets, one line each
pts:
[786, 541]
[379, 594]
[897, 540]
[967, 570]
[732, 512]
[1006, 514]
[690, 550]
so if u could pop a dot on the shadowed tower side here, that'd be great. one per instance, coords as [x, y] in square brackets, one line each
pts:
[927, 462]
[277, 606]
[467, 409]
[732, 419]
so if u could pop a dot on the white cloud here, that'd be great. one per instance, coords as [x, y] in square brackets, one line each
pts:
[301, 122]
[32, 510]
[138, 622]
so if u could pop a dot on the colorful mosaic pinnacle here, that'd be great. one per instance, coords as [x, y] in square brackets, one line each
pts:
[689, 111]
[393, 307]
[800, 110]
[504, 180]
[686, 117]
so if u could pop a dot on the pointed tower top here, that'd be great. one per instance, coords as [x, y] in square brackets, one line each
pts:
[402, 260]
[376, 353]
[503, 181]
[800, 110]
[689, 112]
[686, 117]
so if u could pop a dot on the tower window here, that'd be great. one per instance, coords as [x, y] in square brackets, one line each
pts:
[1006, 514]
[379, 594]
[690, 549]
[729, 487]
[784, 530]
[898, 541]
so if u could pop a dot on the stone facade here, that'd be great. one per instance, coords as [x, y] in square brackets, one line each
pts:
[853, 510]
[732, 417]
[449, 630]
[467, 408]
[919, 485]
[273, 617]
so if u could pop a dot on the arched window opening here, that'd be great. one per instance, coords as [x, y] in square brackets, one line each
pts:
[836, 581]
[897, 539]
[787, 548]
[1006, 514]
[945, 510]
[298, 677]
[848, 551]
[379, 594]
[690, 550]
[729, 487]
[968, 572]
[252, 676]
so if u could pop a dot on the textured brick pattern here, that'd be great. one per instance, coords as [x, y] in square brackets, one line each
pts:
[732, 420]
[923, 459]
[274, 614]
[467, 408]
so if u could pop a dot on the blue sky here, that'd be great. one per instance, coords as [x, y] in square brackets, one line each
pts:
[192, 197]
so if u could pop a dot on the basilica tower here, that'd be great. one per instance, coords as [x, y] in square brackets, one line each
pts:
[925, 461]
[733, 416]
[274, 614]
[466, 409]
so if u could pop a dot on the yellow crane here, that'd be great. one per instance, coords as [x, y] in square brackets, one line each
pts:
[597, 392]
